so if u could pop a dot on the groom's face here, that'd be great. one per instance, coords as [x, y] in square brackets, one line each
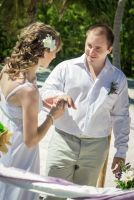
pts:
[96, 47]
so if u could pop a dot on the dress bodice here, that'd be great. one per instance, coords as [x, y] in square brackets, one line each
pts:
[18, 155]
[14, 113]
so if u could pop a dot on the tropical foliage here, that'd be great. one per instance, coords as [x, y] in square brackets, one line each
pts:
[71, 18]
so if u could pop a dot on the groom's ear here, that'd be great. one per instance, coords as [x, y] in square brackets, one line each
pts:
[110, 49]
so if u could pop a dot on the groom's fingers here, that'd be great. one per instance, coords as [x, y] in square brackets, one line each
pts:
[116, 165]
[71, 103]
[45, 104]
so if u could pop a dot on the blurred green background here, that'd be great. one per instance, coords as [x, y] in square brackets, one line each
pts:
[71, 18]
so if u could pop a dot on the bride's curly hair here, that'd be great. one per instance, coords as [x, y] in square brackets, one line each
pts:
[29, 48]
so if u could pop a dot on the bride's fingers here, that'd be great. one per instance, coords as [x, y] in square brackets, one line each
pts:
[67, 99]
[61, 104]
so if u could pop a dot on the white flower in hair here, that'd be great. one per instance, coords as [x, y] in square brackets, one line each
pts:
[49, 43]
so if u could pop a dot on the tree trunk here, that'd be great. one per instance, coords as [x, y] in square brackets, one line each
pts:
[116, 30]
[32, 11]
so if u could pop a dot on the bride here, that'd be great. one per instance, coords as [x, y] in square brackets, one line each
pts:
[20, 102]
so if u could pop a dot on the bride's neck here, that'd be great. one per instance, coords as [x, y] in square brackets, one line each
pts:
[31, 76]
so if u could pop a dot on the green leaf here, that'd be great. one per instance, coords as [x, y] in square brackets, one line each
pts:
[2, 128]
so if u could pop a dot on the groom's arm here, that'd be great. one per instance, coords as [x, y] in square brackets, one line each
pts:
[54, 84]
[53, 89]
[121, 125]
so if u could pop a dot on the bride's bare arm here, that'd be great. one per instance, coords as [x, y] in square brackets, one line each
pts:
[29, 99]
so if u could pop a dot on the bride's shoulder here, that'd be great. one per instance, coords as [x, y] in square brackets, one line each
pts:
[29, 93]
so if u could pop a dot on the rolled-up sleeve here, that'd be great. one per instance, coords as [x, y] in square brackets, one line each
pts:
[54, 84]
[121, 120]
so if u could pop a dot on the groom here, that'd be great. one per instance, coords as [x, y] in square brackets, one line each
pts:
[97, 94]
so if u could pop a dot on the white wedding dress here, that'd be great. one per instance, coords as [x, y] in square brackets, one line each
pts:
[19, 155]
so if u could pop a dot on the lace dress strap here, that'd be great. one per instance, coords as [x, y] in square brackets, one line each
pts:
[18, 88]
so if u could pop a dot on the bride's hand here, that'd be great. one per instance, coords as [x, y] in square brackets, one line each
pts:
[59, 109]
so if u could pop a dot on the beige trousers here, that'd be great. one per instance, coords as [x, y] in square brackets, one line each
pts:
[78, 160]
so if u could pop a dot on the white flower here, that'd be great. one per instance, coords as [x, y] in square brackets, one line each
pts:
[49, 43]
[127, 176]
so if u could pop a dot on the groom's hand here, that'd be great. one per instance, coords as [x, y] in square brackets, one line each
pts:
[116, 164]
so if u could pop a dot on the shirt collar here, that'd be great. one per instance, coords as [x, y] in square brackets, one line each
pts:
[107, 65]
[82, 60]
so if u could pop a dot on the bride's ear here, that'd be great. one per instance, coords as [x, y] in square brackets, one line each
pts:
[46, 52]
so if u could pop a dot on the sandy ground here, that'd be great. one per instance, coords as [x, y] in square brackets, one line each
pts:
[130, 154]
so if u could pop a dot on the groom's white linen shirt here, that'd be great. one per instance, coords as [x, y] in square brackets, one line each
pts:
[97, 111]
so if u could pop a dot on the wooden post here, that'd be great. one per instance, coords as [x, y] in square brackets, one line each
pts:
[102, 175]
